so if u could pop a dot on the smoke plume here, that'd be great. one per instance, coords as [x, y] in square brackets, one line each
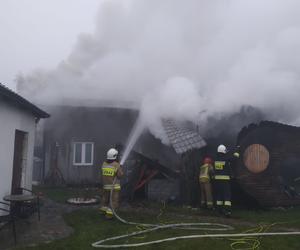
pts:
[186, 60]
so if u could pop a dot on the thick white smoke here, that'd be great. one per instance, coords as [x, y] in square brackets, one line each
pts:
[177, 59]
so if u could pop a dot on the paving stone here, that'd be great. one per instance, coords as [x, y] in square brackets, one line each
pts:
[31, 231]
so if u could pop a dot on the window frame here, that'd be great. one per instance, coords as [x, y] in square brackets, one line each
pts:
[83, 154]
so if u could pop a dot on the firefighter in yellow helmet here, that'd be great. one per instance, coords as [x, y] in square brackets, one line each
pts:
[206, 173]
[111, 172]
[222, 179]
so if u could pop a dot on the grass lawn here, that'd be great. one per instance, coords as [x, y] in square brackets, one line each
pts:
[90, 226]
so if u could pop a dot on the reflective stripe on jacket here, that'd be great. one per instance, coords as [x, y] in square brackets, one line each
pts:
[111, 186]
[222, 177]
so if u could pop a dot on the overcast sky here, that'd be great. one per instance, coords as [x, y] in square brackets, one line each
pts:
[29, 26]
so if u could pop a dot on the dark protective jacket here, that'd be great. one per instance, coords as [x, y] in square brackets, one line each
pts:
[223, 166]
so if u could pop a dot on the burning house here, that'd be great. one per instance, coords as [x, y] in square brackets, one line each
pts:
[75, 140]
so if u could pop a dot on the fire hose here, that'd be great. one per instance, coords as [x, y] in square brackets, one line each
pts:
[188, 226]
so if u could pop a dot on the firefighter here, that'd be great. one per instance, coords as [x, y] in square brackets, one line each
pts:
[111, 173]
[206, 173]
[223, 174]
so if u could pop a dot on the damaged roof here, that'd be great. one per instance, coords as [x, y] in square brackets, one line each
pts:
[21, 102]
[182, 138]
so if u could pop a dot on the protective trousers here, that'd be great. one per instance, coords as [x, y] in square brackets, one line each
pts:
[223, 194]
[105, 202]
[206, 194]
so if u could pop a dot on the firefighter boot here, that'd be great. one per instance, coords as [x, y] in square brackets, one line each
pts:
[227, 212]
[109, 214]
[103, 209]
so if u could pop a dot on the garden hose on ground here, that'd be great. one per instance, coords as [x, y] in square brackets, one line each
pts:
[190, 226]
[154, 227]
[249, 242]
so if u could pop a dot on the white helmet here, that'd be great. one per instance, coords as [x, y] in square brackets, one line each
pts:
[222, 149]
[112, 154]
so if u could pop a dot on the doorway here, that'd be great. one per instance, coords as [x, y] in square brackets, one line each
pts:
[20, 160]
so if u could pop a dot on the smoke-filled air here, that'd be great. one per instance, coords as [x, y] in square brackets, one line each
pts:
[186, 60]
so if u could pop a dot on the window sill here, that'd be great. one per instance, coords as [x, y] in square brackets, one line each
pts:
[82, 164]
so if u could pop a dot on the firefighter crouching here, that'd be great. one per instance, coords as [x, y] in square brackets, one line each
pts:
[206, 173]
[111, 173]
[223, 174]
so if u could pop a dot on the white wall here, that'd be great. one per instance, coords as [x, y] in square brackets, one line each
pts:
[12, 118]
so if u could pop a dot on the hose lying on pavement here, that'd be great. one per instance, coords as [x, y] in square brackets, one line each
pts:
[190, 226]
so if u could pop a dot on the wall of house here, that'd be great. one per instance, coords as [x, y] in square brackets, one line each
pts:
[163, 190]
[106, 127]
[12, 118]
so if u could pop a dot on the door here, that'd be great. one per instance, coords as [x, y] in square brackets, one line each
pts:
[19, 159]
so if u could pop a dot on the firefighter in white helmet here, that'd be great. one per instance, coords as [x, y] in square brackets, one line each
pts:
[111, 172]
[223, 174]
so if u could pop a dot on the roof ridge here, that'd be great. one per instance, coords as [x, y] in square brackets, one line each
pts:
[18, 99]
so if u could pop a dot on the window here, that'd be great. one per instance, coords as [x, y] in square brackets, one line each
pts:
[83, 153]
